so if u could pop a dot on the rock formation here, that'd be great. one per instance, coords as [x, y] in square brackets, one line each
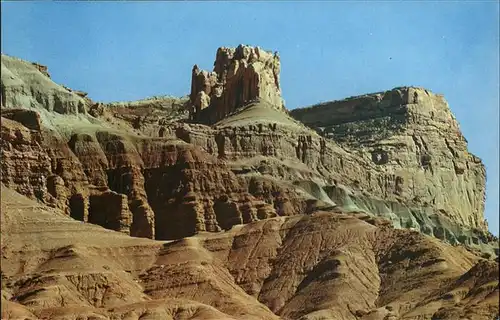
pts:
[240, 75]
[28, 86]
[253, 164]
[374, 196]
[412, 133]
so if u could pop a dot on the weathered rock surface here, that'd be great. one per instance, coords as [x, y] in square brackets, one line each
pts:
[240, 75]
[276, 147]
[324, 265]
[128, 184]
[128, 147]
[210, 178]
[279, 217]
[411, 133]
[151, 117]
[26, 85]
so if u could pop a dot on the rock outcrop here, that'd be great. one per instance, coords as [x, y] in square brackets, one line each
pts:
[411, 133]
[275, 147]
[240, 75]
[255, 163]
[128, 185]
[28, 86]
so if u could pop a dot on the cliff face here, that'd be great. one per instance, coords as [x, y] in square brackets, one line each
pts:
[253, 164]
[240, 75]
[412, 133]
[271, 218]
[72, 176]
[277, 148]
[128, 184]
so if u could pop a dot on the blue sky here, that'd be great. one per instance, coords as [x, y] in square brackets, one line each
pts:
[329, 50]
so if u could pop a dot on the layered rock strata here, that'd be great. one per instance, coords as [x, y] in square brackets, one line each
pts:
[411, 133]
[323, 265]
[26, 85]
[168, 178]
[128, 185]
[323, 174]
[270, 218]
[240, 75]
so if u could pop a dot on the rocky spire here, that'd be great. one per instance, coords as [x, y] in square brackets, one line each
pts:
[240, 75]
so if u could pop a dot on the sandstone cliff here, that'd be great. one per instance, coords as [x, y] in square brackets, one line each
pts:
[127, 183]
[411, 133]
[280, 212]
[28, 85]
[240, 75]
[124, 170]
[255, 163]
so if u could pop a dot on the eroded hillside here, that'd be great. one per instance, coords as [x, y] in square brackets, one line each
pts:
[368, 208]
[317, 266]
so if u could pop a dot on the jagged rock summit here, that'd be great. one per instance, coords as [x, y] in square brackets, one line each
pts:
[224, 205]
[241, 75]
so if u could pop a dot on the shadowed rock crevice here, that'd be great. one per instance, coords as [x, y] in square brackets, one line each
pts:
[77, 207]
[110, 210]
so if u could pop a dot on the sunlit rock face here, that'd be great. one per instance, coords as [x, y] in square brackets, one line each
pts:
[241, 75]
[412, 133]
[28, 85]
[366, 208]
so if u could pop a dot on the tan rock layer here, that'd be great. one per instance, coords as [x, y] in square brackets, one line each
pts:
[411, 133]
[256, 163]
[128, 185]
[324, 265]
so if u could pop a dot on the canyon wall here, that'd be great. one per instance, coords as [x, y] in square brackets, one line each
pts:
[127, 184]
[336, 213]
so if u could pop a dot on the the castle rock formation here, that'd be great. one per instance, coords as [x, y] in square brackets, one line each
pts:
[165, 179]
[240, 75]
